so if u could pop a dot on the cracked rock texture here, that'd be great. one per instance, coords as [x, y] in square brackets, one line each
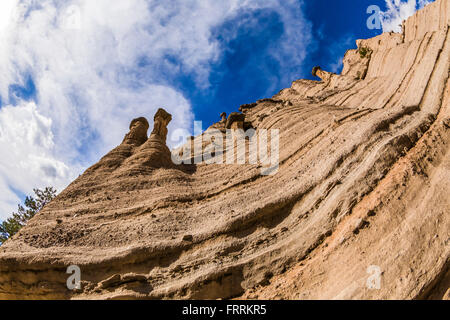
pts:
[364, 180]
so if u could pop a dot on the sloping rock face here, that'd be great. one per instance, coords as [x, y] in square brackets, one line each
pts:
[363, 184]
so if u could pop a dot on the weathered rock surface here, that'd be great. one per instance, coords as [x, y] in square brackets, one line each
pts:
[364, 180]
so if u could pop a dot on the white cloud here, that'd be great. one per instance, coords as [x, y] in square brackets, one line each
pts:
[95, 66]
[27, 158]
[398, 11]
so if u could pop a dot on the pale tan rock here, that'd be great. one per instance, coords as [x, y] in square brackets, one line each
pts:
[322, 74]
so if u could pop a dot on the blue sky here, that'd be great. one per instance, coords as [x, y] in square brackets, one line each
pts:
[247, 71]
[74, 73]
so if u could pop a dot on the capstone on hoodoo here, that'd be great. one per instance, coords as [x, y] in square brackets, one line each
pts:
[138, 132]
[322, 74]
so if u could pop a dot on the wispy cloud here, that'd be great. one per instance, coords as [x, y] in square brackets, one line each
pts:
[74, 73]
[399, 10]
[337, 50]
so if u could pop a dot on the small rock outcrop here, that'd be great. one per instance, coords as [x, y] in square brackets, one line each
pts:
[223, 117]
[138, 132]
[324, 75]
[235, 121]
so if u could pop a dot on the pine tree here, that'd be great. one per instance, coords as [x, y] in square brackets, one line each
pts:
[25, 212]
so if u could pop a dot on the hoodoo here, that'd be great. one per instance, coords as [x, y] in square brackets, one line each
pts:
[322, 74]
[153, 153]
[138, 132]
[359, 208]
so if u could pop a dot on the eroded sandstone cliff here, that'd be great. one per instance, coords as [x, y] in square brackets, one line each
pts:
[363, 180]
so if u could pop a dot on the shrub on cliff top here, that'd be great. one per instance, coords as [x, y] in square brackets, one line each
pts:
[363, 52]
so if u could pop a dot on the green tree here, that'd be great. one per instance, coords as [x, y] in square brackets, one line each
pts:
[25, 212]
